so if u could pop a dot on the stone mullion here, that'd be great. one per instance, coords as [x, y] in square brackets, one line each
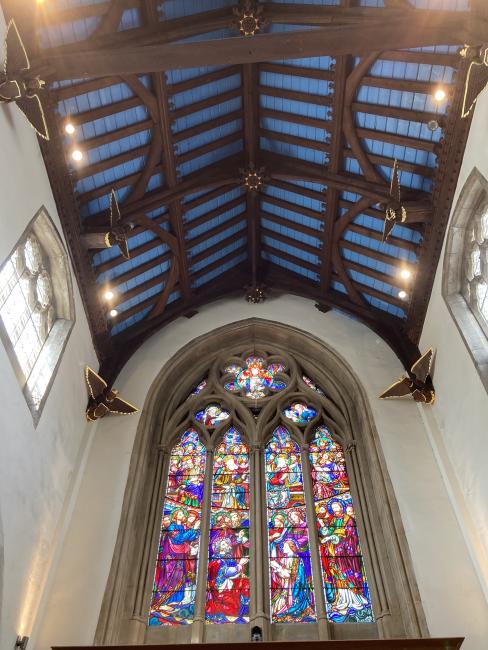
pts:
[366, 541]
[198, 627]
[258, 583]
[263, 561]
[314, 548]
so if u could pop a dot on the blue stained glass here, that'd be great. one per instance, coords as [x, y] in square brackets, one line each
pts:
[198, 389]
[300, 413]
[346, 588]
[212, 415]
[291, 587]
[173, 597]
[228, 566]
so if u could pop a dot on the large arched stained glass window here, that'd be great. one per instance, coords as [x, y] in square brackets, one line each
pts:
[228, 551]
[346, 589]
[291, 588]
[173, 598]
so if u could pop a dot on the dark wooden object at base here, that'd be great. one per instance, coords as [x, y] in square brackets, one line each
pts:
[367, 644]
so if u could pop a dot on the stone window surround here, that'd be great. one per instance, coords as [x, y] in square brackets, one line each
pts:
[473, 197]
[42, 226]
[395, 597]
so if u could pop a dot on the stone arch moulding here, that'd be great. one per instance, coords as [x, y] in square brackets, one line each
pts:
[396, 599]
[471, 199]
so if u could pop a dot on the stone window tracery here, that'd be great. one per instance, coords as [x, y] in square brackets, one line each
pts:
[475, 284]
[210, 555]
[465, 270]
[35, 318]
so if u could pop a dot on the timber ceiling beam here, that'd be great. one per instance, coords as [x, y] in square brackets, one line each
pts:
[169, 162]
[137, 57]
[387, 327]
[283, 168]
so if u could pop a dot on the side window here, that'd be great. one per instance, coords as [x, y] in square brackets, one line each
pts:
[465, 270]
[36, 308]
[475, 281]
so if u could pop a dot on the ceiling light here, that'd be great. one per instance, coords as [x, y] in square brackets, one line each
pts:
[113, 313]
[108, 295]
[77, 155]
[405, 274]
[69, 128]
[440, 95]
[402, 294]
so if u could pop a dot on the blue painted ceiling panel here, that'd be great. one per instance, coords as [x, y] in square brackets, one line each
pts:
[297, 121]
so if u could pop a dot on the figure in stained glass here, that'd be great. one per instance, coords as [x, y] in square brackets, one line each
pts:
[256, 378]
[345, 584]
[228, 567]
[176, 569]
[290, 570]
[300, 413]
[212, 415]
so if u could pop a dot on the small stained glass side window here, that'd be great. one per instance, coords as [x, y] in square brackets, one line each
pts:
[475, 281]
[27, 308]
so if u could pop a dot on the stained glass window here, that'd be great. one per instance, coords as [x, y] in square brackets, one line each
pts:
[224, 504]
[256, 379]
[346, 588]
[199, 387]
[212, 415]
[311, 384]
[173, 597]
[300, 413]
[228, 553]
[291, 588]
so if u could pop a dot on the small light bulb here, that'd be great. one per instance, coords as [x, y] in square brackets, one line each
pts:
[113, 313]
[405, 274]
[108, 295]
[402, 294]
[77, 155]
[440, 95]
[69, 128]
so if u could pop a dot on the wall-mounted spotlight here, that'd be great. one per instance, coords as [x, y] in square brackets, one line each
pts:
[108, 295]
[21, 642]
[432, 125]
[69, 128]
[77, 155]
[405, 274]
[402, 294]
[113, 313]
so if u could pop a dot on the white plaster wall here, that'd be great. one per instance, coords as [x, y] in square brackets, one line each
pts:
[37, 465]
[460, 415]
[450, 591]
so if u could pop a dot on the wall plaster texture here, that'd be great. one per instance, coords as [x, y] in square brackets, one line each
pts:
[37, 464]
[450, 591]
[457, 424]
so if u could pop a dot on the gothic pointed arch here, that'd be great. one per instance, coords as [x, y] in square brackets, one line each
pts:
[298, 530]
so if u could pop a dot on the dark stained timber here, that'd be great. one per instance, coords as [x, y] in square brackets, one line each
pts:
[330, 237]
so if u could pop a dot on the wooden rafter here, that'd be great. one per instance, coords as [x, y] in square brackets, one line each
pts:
[138, 57]
[109, 56]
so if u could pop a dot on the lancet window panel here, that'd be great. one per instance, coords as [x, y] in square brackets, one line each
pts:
[266, 399]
